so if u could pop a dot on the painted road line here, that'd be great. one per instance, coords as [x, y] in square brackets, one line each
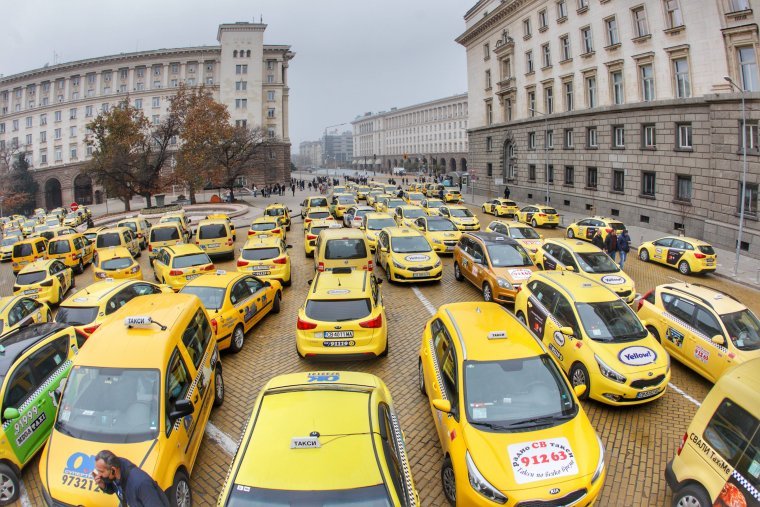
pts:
[23, 497]
[684, 394]
[227, 444]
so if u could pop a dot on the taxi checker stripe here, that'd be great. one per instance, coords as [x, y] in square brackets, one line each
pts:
[437, 370]
[43, 387]
[404, 463]
[548, 313]
[695, 331]
[195, 381]
[744, 482]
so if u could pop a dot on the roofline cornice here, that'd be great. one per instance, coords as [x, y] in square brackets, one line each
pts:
[402, 110]
[493, 19]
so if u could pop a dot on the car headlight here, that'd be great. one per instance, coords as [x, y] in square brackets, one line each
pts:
[600, 466]
[504, 284]
[399, 266]
[609, 372]
[437, 241]
[480, 484]
[437, 263]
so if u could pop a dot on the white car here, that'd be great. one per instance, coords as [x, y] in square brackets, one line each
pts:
[353, 216]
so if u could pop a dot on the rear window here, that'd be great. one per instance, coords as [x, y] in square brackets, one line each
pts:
[320, 201]
[550, 211]
[30, 278]
[108, 239]
[76, 315]
[618, 226]
[275, 212]
[59, 247]
[164, 234]
[346, 200]
[212, 231]
[211, 297]
[22, 250]
[263, 226]
[317, 215]
[116, 263]
[316, 230]
[131, 225]
[345, 249]
[260, 254]
[338, 310]
[706, 249]
[187, 261]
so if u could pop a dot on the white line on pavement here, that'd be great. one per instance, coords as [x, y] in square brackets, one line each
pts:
[684, 394]
[227, 444]
[23, 495]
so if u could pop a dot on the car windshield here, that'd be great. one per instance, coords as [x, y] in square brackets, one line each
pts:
[317, 215]
[337, 310]
[345, 249]
[744, 329]
[275, 212]
[508, 256]
[610, 321]
[260, 254]
[597, 262]
[10, 241]
[116, 263]
[380, 223]
[59, 247]
[440, 225]
[368, 496]
[22, 250]
[346, 200]
[108, 239]
[212, 231]
[30, 278]
[706, 249]
[76, 315]
[414, 213]
[110, 405]
[263, 226]
[618, 226]
[451, 190]
[72, 215]
[211, 297]
[410, 244]
[171, 219]
[164, 234]
[434, 204]
[130, 225]
[460, 212]
[414, 196]
[514, 394]
[318, 201]
[523, 233]
[190, 260]
[394, 203]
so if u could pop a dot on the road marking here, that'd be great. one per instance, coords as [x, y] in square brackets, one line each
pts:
[427, 304]
[23, 495]
[227, 444]
[684, 394]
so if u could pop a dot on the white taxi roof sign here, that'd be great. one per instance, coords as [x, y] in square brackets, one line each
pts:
[497, 335]
[138, 321]
[305, 443]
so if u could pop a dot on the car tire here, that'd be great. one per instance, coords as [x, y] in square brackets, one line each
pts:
[570, 233]
[683, 268]
[9, 485]
[691, 495]
[237, 340]
[388, 274]
[384, 353]
[218, 387]
[421, 378]
[644, 255]
[288, 282]
[533, 223]
[458, 273]
[276, 303]
[487, 293]
[484, 210]
[180, 494]
[578, 376]
[80, 267]
[309, 255]
[656, 334]
[448, 481]
[300, 356]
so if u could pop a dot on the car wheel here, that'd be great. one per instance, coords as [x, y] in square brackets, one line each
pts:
[644, 255]
[656, 334]
[421, 378]
[218, 387]
[448, 481]
[487, 293]
[238, 339]
[684, 268]
[534, 223]
[60, 295]
[139, 253]
[384, 353]
[521, 318]
[9, 485]
[49, 317]
[579, 376]
[276, 303]
[288, 282]
[457, 273]
[692, 495]
[180, 494]
[80, 267]
[484, 210]
[570, 233]
[388, 275]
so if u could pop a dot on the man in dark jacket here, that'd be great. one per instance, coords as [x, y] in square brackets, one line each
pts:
[610, 243]
[133, 486]
[597, 240]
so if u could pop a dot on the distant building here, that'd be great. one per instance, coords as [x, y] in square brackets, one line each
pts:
[310, 153]
[337, 149]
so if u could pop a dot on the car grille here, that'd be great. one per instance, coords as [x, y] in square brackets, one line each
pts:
[557, 502]
[624, 294]
[420, 268]
[644, 383]
[450, 243]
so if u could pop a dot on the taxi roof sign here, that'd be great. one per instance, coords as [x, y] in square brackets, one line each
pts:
[497, 335]
[138, 321]
[305, 443]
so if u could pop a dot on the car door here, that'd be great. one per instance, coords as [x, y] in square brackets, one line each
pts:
[541, 300]
[563, 347]
[383, 249]
[479, 263]
[244, 304]
[442, 382]
[550, 256]
[675, 252]
[661, 247]
[195, 348]
[712, 358]
[678, 338]
[179, 379]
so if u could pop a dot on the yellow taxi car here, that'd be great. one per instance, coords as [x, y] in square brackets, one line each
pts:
[161, 235]
[440, 232]
[405, 216]
[313, 201]
[140, 227]
[92, 233]
[595, 336]
[707, 330]
[6, 247]
[406, 256]
[361, 192]
[27, 227]
[267, 226]
[312, 230]
[20, 311]
[339, 203]
[116, 262]
[379, 200]
[176, 265]
[143, 387]
[462, 217]
[524, 234]
[180, 219]
[589, 261]
[510, 426]
[87, 309]
[26, 251]
[586, 228]
[118, 236]
[372, 224]
[343, 317]
[317, 213]
[235, 302]
[44, 280]
[495, 264]
[216, 237]
[280, 211]
[501, 208]
[54, 232]
[538, 215]
[688, 255]
[414, 198]
[368, 465]
[266, 258]
[372, 196]
[432, 206]
[74, 250]
[389, 205]
[74, 219]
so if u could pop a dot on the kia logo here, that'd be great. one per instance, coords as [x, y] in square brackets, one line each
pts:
[338, 327]
[554, 491]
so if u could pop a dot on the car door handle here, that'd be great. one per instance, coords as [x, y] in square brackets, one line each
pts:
[195, 400]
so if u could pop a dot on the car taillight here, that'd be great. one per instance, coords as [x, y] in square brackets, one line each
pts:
[75, 256]
[311, 236]
[280, 260]
[214, 326]
[276, 231]
[229, 242]
[150, 247]
[208, 267]
[135, 269]
[542, 214]
[321, 266]
[373, 323]
[241, 263]
[302, 325]
[48, 283]
[370, 265]
[197, 242]
[683, 442]
[175, 272]
[251, 233]
[91, 329]
[642, 298]
[307, 220]
[699, 255]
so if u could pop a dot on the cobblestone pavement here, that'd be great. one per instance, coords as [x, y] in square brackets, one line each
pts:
[638, 440]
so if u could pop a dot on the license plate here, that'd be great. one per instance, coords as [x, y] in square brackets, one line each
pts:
[262, 236]
[710, 261]
[338, 334]
[648, 394]
[449, 248]
[421, 274]
[339, 343]
[259, 273]
[192, 277]
[30, 291]
[214, 245]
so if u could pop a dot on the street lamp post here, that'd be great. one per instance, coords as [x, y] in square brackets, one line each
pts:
[744, 176]
[546, 151]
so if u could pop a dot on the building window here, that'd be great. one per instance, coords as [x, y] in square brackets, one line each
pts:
[28, 122]
[175, 68]
[156, 102]
[548, 100]
[748, 68]
[270, 63]
[683, 188]
[2, 128]
[546, 55]
[640, 25]
[241, 69]
[750, 198]
[270, 112]
[488, 79]
[43, 137]
[243, 104]
[140, 87]
[543, 20]
[28, 139]
[681, 71]
[591, 138]
[57, 134]
[739, 5]
[489, 114]
[73, 113]
[564, 43]
[549, 173]
[532, 103]
[591, 177]
[156, 119]
[73, 153]
[618, 136]
[673, 14]
[486, 51]
[532, 172]
[270, 95]
[647, 82]
[531, 140]
[618, 95]
[613, 38]
[489, 143]
[569, 175]
[241, 85]
[529, 61]
[568, 139]
[591, 91]
[561, 10]
[157, 84]
[270, 78]
[527, 32]
[72, 131]
[648, 139]
[647, 183]
[618, 180]
[508, 109]
[58, 154]
[588, 40]
[57, 116]
[568, 95]
[43, 156]
[138, 103]
[549, 140]
[751, 136]
[683, 133]
[489, 169]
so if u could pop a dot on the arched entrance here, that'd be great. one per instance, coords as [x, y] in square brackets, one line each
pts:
[53, 198]
[98, 197]
[508, 160]
[83, 189]
[452, 165]
[463, 165]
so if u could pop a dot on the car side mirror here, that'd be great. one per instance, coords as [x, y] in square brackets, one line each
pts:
[718, 339]
[308, 282]
[567, 331]
[182, 408]
[10, 414]
[569, 268]
[579, 390]
[383, 249]
[288, 246]
[442, 405]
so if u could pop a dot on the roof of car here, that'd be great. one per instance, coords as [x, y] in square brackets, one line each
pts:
[575, 245]
[394, 232]
[112, 229]
[270, 218]
[343, 232]
[38, 265]
[18, 341]
[318, 209]
[492, 238]
[343, 284]
[377, 215]
[509, 223]
[209, 221]
[165, 224]
[456, 206]
[719, 301]
[220, 278]
[96, 292]
[260, 241]
[66, 237]
[112, 252]
[183, 249]
[576, 286]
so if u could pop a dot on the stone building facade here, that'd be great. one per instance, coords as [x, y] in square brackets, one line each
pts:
[621, 107]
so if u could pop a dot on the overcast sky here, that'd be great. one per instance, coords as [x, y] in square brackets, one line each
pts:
[352, 56]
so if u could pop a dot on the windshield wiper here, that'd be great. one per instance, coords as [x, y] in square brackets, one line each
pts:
[60, 427]
[497, 427]
[538, 420]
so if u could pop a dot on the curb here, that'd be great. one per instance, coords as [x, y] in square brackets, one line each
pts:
[232, 210]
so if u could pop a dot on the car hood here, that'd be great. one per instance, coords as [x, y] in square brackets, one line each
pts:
[444, 235]
[518, 274]
[616, 282]
[415, 258]
[629, 358]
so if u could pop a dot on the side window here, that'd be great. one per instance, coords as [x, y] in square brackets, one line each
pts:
[563, 311]
[550, 249]
[119, 299]
[566, 258]
[390, 450]
[544, 294]
[664, 242]
[446, 355]
[41, 246]
[196, 337]
[420, 222]
[707, 323]
[49, 357]
[679, 308]
[253, 285]
[177, 384]
[16, 313]
[477, 251]
[142, 289]
[677, 243]
[20, 385]
[728, 432]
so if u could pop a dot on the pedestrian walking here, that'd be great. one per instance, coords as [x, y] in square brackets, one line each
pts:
[610, 243]
[623, 245]
[506, 192]
[132, 486]
[597, 240]
[293, 188]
